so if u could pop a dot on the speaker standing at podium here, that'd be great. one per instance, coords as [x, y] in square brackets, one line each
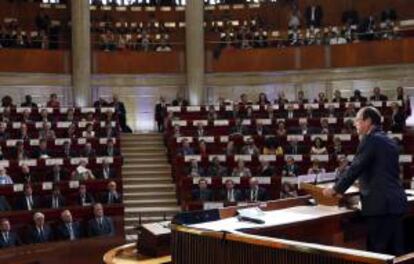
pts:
[376, 165]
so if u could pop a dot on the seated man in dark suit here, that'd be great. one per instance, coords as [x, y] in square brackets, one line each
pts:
[265, 169]
[26, 174]
[100, 225]
[58, 174]
[397, 119]
[100, 103]
[255, 193]
[358, 97]
[69, 229]
[260, 130]
[110, 149]
[337, 98]
[239, 128]
[185, 149]
[40, 232]
[84, 198]
[8, 238]
[4, 204]
[88, 151]
[68, 152]
[28, 201]
[230, 194]
[42, 151]
[290, 169]
[202, 194]
[56, 200]
[377, 96]
[294, 148]
[111, 196]
[106, 172]
[215, 169]
[28, 102]
[4, 135]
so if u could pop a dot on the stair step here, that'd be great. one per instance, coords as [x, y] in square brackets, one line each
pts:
[142, 154]
[145, 173]
[148, 166]
[164, 194]
[148, 188]
[150, 203]
[141, 180]
[152, 210]
[144, 160]
[133, 221]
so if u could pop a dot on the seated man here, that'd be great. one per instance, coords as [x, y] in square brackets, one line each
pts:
[88, 151]
[230, 194]
[337, 98]
[316, 167]
[239, 128]
[82, 173]
[8, 238]
[111, 196]
[377, 96]
[261, 130]
[84, 198]
[28, 201]
[358, 97]
[89, 133]
[290, 169]
[240, 170]
[202, 194]
[255, 193]
[26, 174]
[40, 232]
[397, 119]
[58, 174]
[46, 132]
[4, 178]
[68, 151]
[100, 225]
[42, 151]
[215, 169]
[194, 170]
[250, 148]
[200, 132]
[294, 148]
[185, 149]
[106, 172]
[56, 199]
[265, 169]
[4, 204]
[110, 149]
[19, 152]
[28, 102]
[68, 229]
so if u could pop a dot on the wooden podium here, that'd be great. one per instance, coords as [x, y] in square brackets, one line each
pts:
[316, 191]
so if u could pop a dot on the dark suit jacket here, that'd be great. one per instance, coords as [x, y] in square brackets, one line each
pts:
[376, 165]
[112, 173]
[398, 122]
[21, 203]
[64, 175]
[203, 197]
[269, 171]
[4, 204]
[317, 17]
[49, 201]
[299, 150]
[63, 231]
[13, 240]
[381, 98]
[115, 152]
[105, 198]
[34, 237]
[294, 169]
[91, 154]
[160, 112]
[261, 194]
[88, 199]
[238, 196]
[107, 228]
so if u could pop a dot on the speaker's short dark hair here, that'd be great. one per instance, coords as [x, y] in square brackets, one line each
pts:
[373, 114]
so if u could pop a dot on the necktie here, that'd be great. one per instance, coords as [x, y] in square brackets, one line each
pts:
[55, 202]
[111, 198]
[106, 173]
[71, 234]
[41, 235]
[6, 237]
[100, 224]
[29, 203]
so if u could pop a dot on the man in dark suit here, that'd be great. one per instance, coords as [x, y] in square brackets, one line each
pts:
[160, 113]
[202, 193]
[28, 102]
[255, 193]
[58, 174]
[100, 225]
[121, 112]
[100, 103]
[68, 151]
[8, 238]
[40, 232]
[42, 151]
[376, 166]
[88, 151]
[230, 194]
[110, 149]
[265, 169]
[111, 196]
[69, 229]
[377, 96]
[314, 15]
[84, 198]
[4, 204]
[397, 119]
[358, 97]
[106, 172]
[294, 148]
[56, 200]
[179, 101]
[291, 169]
[28, 201]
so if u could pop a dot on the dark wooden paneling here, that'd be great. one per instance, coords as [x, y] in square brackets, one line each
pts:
[312, 57]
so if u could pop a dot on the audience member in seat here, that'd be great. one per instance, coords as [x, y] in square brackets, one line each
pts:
[230, 149]
[202, 193]
[314, 15]
[185, 149]
[212, 114]
[215, 169]
[263, 99]
[110, 149]
[71, 131]
[357, 97]
[42, 151]
[255, 193]
[19, 152]
[68, 229]
[261, 130]
[244, 99]
[88, 133]
[26, 175]
[26, 119]
[239, 128]
[291, 169]
[321, 98]
[100, 225]
[281, 129]
[4, 178]
[272, 147]
[107, 172]
[325, 129]
[58, 174]
[349, 127]
[109, 131]
[40, 232]
[338, 97]
[231, 194]
[240, 170]
[4, 135]
[294, 149]
[8, 238]
[111, 196]
[177, 132]
[343, 165]
[304, 129]
[83, 197]
[100, 103]
[179, 101]
[281, 98]
[309, 113]
[46, 132]
[200, 132]
[4, 204]
[88, 151]
[28, 201]
[81, 173]
[377, 96]
[68, 152]
[7, 102]
[28, 102]
[318, 148]
[301, 98]
[250, 148]
[44, 116]
[350, 110]
[194, 170]
[397, 119]
[56, 199]
[53, 101]
[337, 148]
[70, 116]
[316, 168]
[331, 112]
[5, 116]
[265, 169]
[202, 148]
[270, 114]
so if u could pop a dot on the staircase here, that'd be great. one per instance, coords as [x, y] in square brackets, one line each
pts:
[148, 189]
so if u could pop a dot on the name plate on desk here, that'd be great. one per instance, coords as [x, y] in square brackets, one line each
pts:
[23, 109]
[228, 108]
[376, 103]
[399, 136]
[264, 180]
[108, 159]
[197, 179]
[206, 139]
[295, 137]
[180, 139]
[49, 110]
[224, 139]
[326, 177]
[76, 161]
[12, 142]
[334, 105]
[108, 109]
[188, 158]
[236, 180]
[292, 106]
[61, 141]
[221, 122]
[264, 121]
[267, 158]
[40, 124]
[81, 141]
[85, 110]
[63, 124]
[17, 187]
[34, 142]
[47, 186]
[16, 125]
[28, 162]
[247, 122]
[220, 157]
[323, 158]
[275, 107]
[243, 157]
[4, 163]
[332, 120]
[294, 157]
[200, 122]
[290, 180]
[103, 124]
[103, 141]
[213, 205]
[323, 137]
[389, 103]
[193, 108]
[174, 109]
[406, 158]
[309, 178]
[51, 162]
[356, 104]
[312, 106]
[343, 137]
[73, 184]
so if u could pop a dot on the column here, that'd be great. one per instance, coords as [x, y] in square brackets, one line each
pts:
[195, 52]
[81, 52]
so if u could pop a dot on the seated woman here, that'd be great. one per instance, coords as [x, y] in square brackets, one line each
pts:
[240, 170]
[88, 133]
[281, 129]
[318, 148]
[316, 168]
[272, 147]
